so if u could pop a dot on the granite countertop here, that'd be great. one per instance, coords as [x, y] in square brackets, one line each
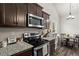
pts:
[48, 38]
[14, 48]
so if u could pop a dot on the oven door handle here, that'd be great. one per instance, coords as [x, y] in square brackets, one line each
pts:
[38, 47]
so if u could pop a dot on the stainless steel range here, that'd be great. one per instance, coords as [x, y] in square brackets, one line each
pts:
[41, 47]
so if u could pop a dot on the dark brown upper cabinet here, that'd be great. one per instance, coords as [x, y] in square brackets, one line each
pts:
[21, 14]
[10, 14]
[2, 20]
[39, 10]
[35, 9]
[32, 8]
[45, 15]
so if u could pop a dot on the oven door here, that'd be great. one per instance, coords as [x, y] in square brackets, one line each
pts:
[42, 50]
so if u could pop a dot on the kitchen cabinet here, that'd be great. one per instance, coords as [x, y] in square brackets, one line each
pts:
[35, 9]
[13, 14]
[24, 53]
[46, 18]
[39, 10]
[52, 47]
[21, 14]
[32, 8]
[45, 15]
[1, 14]
[10, 14]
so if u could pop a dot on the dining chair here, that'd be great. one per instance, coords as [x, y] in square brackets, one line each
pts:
[76, 42]
[63, 40]
[71, 42]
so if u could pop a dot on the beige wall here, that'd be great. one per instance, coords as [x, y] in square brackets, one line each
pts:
[6, 32]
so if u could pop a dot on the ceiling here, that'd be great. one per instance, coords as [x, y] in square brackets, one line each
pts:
[63, 9]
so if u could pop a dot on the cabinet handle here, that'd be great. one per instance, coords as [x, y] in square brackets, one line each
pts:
[24, 18]
[17, 21]
[14, 20]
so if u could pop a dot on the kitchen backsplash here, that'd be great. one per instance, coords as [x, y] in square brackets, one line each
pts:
[5, 32]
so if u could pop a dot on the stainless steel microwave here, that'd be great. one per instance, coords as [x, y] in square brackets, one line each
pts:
[35, 21]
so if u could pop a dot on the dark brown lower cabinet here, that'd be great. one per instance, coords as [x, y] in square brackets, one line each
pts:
[24, 53]
[52, 47]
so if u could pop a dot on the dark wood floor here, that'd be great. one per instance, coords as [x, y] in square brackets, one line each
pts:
[67, 51]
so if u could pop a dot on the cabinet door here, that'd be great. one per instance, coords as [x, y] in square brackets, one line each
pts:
[10, 14]
[52, 47]
[24, 53]
[39, 11]
[21, 14]
[1, 14]
[32, 8]
[46, 17]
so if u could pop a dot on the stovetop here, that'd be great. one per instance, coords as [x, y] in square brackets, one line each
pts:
[35, 42]
[34, 39]
[38, 43]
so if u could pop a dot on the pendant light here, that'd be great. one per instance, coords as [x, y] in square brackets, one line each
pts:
[70, 17]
